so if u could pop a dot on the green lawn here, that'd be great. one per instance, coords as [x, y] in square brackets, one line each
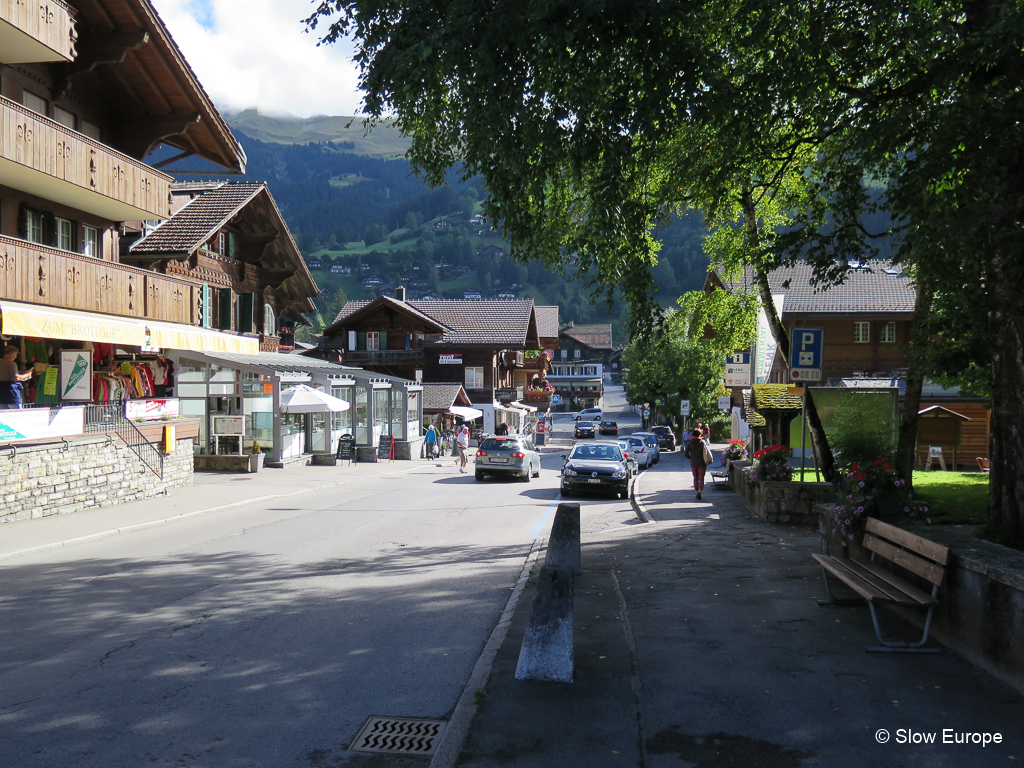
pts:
[953, 498]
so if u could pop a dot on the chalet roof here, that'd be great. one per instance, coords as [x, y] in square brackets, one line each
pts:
[240, 202]
[154, 91]
[594, 336]
[876, 288]
[547, 322]
[502, 322]
[440, 396]
[353, 311]
[774, 397]
[197, 221]
[872, 289]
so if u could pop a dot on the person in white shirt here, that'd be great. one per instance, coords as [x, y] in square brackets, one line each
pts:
[463, 443]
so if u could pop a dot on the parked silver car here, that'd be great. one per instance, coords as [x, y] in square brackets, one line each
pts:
[640, 451]
[513, 455]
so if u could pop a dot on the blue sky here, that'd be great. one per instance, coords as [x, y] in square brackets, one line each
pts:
[256, 53]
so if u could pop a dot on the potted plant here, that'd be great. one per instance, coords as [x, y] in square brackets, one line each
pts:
[870, 490]
[256, 456]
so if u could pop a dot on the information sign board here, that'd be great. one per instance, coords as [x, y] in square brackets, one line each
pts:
[228, 425]
[737, 369]
[684, 408]
[724, 403]
[805, 354]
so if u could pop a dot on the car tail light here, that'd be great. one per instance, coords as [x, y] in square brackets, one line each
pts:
[481, 453]
[518, 455]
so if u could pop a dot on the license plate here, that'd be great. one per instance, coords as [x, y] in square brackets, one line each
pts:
[593, 481]
[499, 461]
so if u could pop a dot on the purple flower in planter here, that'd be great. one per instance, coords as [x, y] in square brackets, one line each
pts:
[844, 543]
[906, 509]
[851, 537]
[848, 522]
[860, 510]
[862, 484]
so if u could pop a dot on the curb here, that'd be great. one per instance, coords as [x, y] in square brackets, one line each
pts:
[184, 515]
[450, 745]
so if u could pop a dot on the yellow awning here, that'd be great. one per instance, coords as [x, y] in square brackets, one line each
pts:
[56, 323]
[191, 338]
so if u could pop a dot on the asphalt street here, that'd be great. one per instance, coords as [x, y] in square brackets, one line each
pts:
[266, 633]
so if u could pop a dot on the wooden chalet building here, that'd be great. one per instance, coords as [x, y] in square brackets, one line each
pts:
[86, 94]
[232, 239]
[867, 324]
[478, 344]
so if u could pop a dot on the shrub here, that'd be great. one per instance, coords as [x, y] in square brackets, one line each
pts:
[861, 433]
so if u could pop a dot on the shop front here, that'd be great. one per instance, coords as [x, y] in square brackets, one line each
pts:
[251, 389]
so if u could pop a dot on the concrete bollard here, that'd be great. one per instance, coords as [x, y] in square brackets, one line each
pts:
[564, 542]
[547, 650]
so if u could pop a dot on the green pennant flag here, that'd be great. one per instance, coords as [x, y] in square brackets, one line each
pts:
[77, 374]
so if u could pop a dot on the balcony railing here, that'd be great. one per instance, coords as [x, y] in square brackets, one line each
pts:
[39, 31]
[51, 161]
[37, 274]
[383, 356]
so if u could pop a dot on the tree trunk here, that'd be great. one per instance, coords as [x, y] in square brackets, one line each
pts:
[1005, 281]
[819, 439]
[907, 445]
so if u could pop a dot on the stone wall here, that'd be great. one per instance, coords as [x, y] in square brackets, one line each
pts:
[781, 501]
[59, 478]
[981, 605]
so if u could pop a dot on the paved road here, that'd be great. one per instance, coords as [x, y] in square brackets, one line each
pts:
[266, 634]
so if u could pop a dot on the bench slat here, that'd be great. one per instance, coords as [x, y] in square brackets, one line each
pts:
[865, 583]
[920, 597]
[926, 570]
[908, 540]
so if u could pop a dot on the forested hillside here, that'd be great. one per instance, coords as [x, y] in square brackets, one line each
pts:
[357, 212]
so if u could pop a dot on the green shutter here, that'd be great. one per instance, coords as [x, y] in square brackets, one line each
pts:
[245, 312]
[206, 313]
[224, 310]
[361, 340]
[383, 339]
[231, 245]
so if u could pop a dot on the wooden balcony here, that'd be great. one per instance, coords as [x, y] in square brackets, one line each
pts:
[36, 31]
[269, 343]
[46, 159]
[383, 356]
[36, 274]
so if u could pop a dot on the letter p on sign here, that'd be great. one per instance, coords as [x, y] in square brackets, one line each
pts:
[806, 340]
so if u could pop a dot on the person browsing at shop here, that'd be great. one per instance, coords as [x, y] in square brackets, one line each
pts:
[10, 379]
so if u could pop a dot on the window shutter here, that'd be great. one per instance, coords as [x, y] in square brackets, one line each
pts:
[206, 316]
[245, 312]
[383, 340]
[231, 245]
[352, 343]
[224, 310]
[361, 340]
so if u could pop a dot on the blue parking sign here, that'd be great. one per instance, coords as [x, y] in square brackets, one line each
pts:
[805, 354]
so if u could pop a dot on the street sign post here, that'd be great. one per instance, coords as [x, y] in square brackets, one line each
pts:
[737, 369]
[684, 407]
[805, 354]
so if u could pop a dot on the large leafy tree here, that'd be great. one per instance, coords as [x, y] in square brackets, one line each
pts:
[592, 120]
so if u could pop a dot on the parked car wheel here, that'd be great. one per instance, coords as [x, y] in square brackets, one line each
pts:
[536, 472]
[526, 476]
[479, 475]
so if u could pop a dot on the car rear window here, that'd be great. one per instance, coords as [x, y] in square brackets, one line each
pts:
[499, 444]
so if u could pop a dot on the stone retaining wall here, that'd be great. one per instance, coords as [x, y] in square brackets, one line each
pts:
[780, 501]
[58, 478]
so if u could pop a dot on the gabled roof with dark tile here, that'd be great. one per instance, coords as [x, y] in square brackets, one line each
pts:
[875, 288]
[440, 396]
[501, 323]
[353, 309]
[594, 336]
[194, 224]
[547, 322]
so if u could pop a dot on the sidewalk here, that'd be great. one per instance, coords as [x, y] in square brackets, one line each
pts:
[699, 641]
[212, 491]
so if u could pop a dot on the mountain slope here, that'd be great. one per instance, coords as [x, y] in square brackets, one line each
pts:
[384, 140]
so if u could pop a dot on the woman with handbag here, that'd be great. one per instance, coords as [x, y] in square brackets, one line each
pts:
[697, 451]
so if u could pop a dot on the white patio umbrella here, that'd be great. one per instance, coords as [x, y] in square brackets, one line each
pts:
[466, 413]
[304, 399]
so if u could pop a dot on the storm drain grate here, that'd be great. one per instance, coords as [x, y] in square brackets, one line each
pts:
[404, 735]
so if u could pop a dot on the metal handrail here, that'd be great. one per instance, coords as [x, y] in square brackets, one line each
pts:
[109, 418]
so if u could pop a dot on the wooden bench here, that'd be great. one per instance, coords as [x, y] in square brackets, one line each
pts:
[983, 464]
[878, 585]
[718, 473]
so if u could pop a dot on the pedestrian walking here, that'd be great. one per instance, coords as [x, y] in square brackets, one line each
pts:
[431, 441]
[694, 450]
[463, 442]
